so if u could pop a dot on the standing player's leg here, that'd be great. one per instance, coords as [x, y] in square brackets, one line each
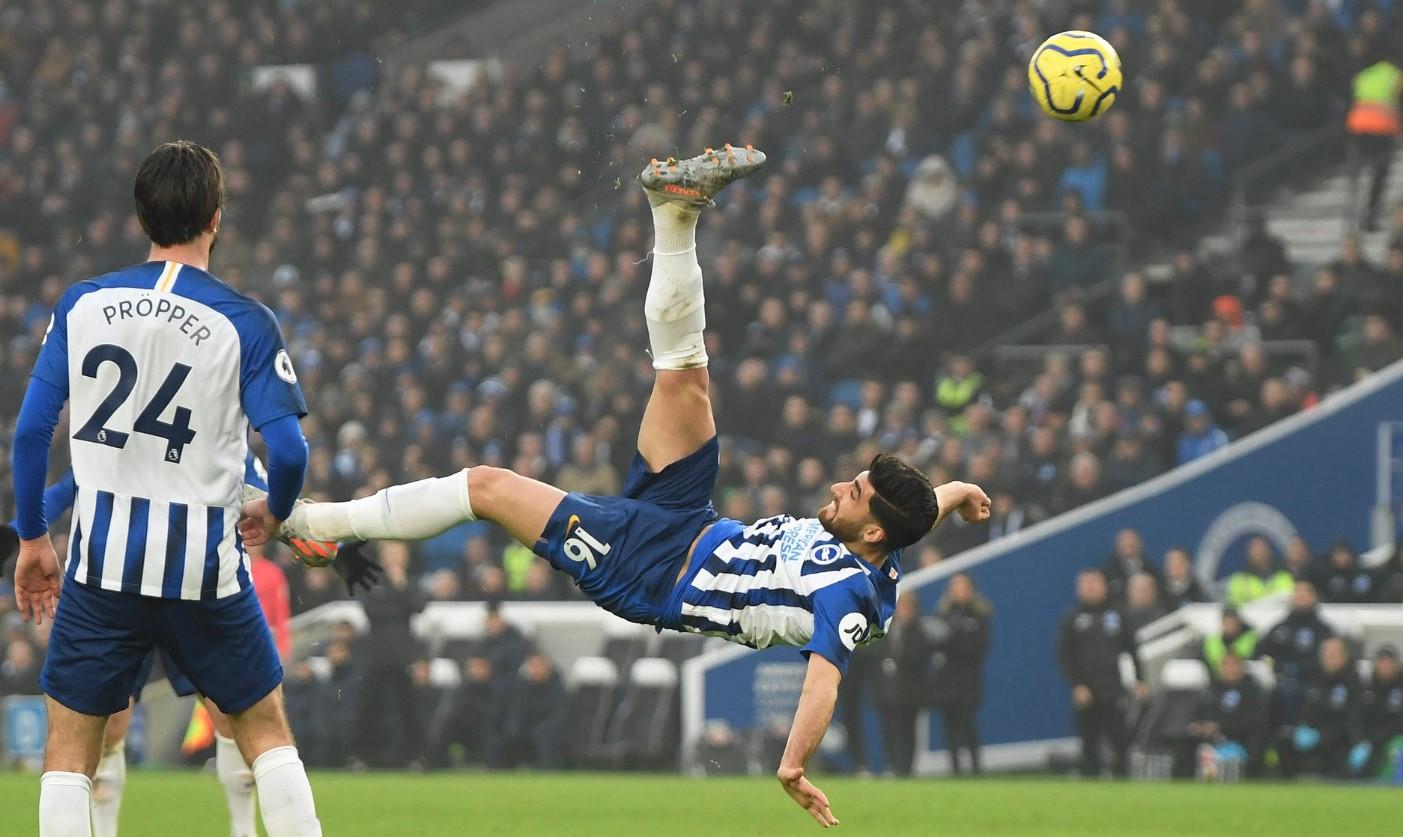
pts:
[678, 418]
[265, 741]
[110, 778]
[234, 774]
[225, 649]
[71, 753]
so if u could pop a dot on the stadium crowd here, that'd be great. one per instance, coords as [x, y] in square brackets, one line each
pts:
[459, 276]
[1317, 714]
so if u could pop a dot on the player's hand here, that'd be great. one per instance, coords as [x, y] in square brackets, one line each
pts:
[807, 795]
[37, 579]
[1081, 696]
[257, 526]
[976, 505]
[356, 568]
[1142, 690]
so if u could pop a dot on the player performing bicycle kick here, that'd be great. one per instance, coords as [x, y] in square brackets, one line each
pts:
[659, 554]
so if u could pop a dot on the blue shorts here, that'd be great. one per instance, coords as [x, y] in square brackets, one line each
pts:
[625, 552]
[102, 639]
[180, 684]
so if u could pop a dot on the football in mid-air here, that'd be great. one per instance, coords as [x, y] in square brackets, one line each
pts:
[1074, 76]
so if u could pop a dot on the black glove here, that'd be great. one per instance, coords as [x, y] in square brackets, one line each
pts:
[356, 568]
[9, 545]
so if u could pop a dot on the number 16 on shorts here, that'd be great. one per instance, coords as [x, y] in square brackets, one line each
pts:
[582, 547]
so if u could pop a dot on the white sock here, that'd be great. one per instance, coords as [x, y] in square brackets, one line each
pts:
[64, 804]
[285, 795]
[109, 781]
[237, 780]
[675, 306]
[401, 512]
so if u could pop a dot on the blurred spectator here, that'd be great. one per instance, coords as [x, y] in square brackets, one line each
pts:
[1234, 637]
[1383, 709]
[1342, 579]
[901, 683]
[957, 685]
[1233, 714]
[1293, 646]
[1300, 562]
[1142, 602]
[1332, 721]
[1260, 577]
[1082, 485]
[1373, 126]
[389, 720]
[1379, 346]
[1181, 586]
[1201, 436]
[1090, 641]
[585, 473]
[19, 673]
[1128, 559]
[1262, 253]
[537, 712]
[474, 718]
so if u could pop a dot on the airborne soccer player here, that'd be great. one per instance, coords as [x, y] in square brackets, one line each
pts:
[658, 554]
[165, 368]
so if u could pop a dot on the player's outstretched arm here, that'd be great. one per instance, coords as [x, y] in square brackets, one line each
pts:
[966, 498]
[811, 720]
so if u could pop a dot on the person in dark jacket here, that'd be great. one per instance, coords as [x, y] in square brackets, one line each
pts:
[1332, 722]
[1128, 560]
[1294, 649]
[1090, 640]
[1234, 711]
[389, 717]
[536, 714]
[901, 681]
[1383, 707]
[1181, 586]
[1342, 579]
[957, 687]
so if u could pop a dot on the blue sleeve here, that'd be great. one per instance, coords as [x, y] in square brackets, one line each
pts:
[268, 387]
[52, 364]
[287, 463]
[58, 498]
[34, 431]
[840, 625]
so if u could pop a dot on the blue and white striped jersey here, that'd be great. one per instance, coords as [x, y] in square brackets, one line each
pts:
[787, 581]
[164, 367]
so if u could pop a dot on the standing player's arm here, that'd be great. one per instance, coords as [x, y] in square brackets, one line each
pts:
[967, 498]
[811, 720]
[37, 576]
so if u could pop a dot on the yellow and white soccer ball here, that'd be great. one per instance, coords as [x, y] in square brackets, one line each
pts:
[1074, 76]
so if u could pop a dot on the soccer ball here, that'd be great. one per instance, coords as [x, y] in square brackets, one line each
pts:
[1074, 76]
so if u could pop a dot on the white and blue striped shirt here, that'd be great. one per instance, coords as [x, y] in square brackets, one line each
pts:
[164, 368]
[786, 581]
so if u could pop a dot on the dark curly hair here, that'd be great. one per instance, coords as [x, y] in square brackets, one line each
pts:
[904, 504]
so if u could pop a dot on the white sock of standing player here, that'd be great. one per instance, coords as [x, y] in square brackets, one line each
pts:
[109, 782]
[285, 795]
[237, 779]
[65, 801]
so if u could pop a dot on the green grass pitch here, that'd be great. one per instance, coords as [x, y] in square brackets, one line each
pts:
[188, 804]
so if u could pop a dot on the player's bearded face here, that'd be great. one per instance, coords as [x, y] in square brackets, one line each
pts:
[837, 519]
